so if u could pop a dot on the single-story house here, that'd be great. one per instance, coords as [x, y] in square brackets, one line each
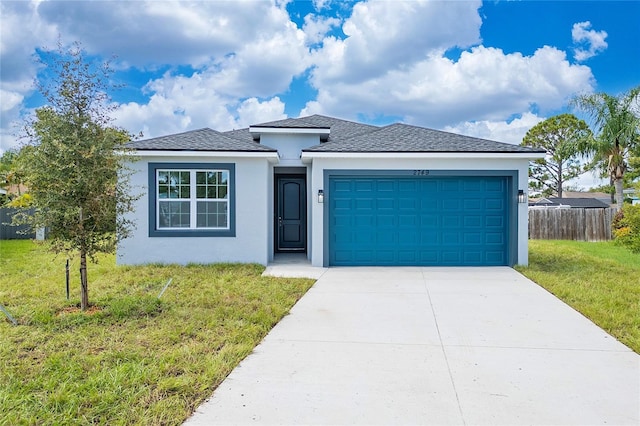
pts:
[569, 203]
[343, 193]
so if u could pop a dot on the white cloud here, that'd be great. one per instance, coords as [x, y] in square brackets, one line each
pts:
[589, 42]
[316, 27]
[386, 35]
[244, 55]
[252, 111]
[512, 131]
[483, 84]
[239, 50]
[10, 100]
[144, 33]
[180, 103]
[21, 32]
[321, 4]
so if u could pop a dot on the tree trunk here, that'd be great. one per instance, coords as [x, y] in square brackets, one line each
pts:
[84, 285]
[619, 194]
[560, 182]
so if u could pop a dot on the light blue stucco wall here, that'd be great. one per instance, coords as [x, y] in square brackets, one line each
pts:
[253, 219]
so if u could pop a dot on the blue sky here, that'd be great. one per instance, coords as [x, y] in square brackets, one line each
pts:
[487, 69]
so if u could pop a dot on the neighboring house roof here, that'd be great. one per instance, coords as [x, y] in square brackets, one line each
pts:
[574, 203]
[199, 140]
[604, 197]
[405, 138]
[344, 136]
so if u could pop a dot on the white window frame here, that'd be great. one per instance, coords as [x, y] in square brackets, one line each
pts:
[193, 200]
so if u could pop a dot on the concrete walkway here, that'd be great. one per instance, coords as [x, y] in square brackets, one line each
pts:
[430, 346]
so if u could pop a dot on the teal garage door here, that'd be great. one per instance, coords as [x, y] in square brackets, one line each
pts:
[426, 220]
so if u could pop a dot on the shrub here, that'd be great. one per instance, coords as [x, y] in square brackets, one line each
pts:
[626, 227]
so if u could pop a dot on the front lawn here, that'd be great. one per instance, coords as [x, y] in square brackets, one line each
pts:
[601, 280]
[134, 358]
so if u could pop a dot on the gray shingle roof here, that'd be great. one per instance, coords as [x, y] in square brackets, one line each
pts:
[405, 138]
[200, 140]
[585, 203]
[339, 129]
[345, 136]
[242, 134]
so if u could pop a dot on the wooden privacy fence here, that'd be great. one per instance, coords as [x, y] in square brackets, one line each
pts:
[571, 224]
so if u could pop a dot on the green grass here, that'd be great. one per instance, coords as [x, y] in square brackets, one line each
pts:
[601, 280]
[134, 359]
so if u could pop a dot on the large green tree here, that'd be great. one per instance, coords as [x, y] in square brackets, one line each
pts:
[75, 161]
[561, 137]
[616, 122]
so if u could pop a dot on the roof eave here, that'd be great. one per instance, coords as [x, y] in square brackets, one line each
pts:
[201, 153]
[421, 154]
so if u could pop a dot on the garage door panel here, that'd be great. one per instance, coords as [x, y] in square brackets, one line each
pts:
[407, 257]
[495, 186]
[408, 220]
[472, 204]
[428, 204]
[428, 257]
[342, 220]
[384, 257]
[452, 205]
[418, 221]
[494, 204]
[383, 220]
[496, 257]
[363, 185]
[472, 257]
[360, 238]
[367, 221]
[407, 238]
[473, 221]
[410, 204]
[408, 186]
[428, 221]
[451, 185]
[428, 185]
[385, 204]
[364, 204]
[473, 238]
[385, 237]
[451, 257]
[472, 185]
[341, 185]
[451, 221]
[342, 204]
[495, 238]
[493, 221]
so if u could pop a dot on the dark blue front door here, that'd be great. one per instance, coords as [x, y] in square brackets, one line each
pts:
[291, 214]
[461, 221]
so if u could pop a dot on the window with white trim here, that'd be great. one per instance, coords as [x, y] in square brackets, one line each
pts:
[192, 199]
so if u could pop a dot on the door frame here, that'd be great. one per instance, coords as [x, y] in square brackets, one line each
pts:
[303, 203]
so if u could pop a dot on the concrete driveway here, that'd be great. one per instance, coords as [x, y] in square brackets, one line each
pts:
[430, 346]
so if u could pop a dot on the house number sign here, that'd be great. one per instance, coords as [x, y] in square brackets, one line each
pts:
[421, 172]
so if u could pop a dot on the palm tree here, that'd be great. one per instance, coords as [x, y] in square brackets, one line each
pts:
[617, 132]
